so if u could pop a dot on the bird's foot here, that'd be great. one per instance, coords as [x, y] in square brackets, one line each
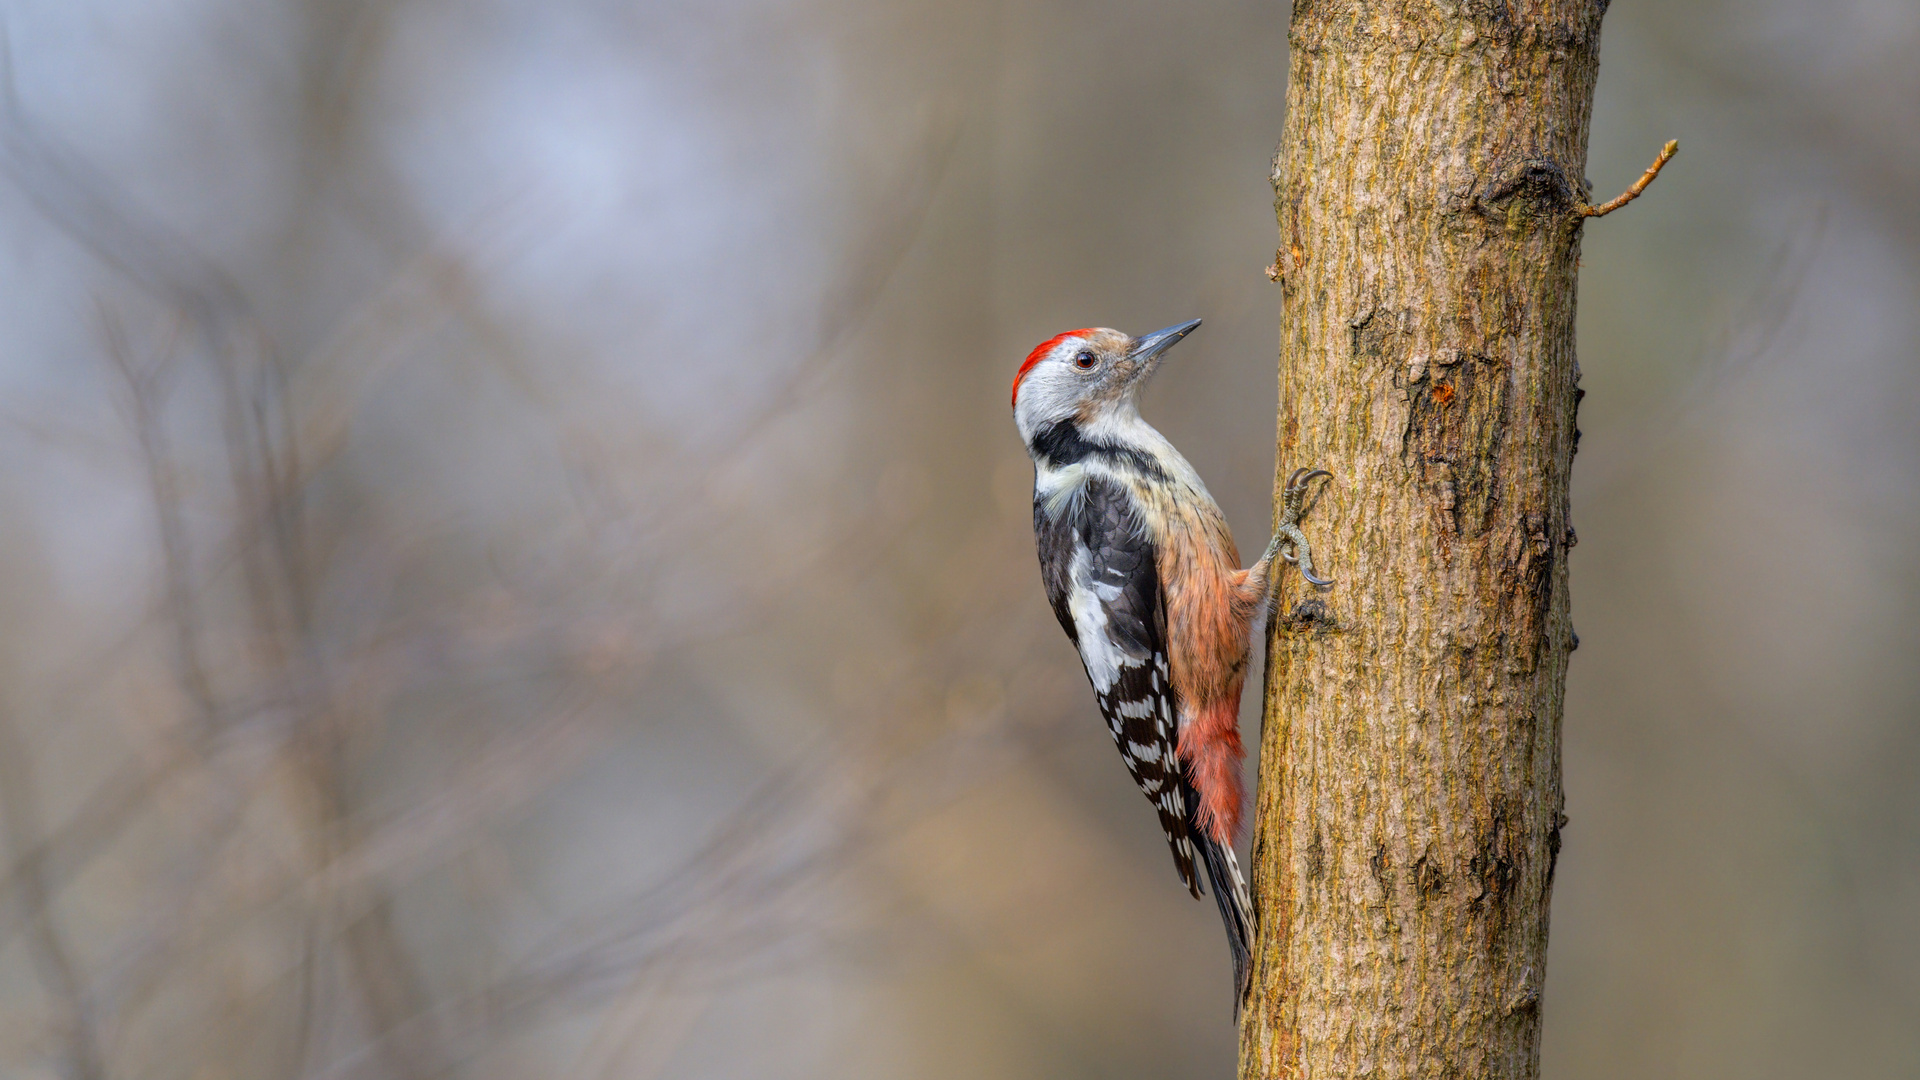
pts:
[1288, 541]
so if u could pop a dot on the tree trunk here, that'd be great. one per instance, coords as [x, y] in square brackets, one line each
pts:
[1430, 197]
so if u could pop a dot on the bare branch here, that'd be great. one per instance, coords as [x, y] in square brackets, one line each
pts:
[1640, 185]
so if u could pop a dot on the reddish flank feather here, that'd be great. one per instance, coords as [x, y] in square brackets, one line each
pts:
[1039, 353]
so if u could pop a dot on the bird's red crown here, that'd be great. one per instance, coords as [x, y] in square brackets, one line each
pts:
[1039, 353]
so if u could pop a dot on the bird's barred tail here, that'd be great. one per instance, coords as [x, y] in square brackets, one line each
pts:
[1236, 908]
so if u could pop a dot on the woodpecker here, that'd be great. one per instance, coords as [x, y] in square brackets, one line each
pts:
[1143, 575]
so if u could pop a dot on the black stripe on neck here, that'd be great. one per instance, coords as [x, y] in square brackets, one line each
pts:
[1062, 443]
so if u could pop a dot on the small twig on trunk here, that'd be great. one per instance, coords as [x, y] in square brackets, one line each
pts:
[1640, 185]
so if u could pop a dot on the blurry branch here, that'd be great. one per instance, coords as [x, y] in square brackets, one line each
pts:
[645, 1028]
[20, 818]
[510, 771]
[145, 401]
[326, 389]
[262, 464]
[760, 889]
[158, 944]
[789, 837]
[898, 220]
[1755, 330]
[276, 705]
[87, 207]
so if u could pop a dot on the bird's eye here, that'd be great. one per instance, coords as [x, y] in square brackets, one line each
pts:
[1085, 360]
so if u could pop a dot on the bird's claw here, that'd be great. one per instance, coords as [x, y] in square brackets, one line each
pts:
[1292, 504]
[1295, 493]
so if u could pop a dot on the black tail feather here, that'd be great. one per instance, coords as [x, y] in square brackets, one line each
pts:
[1230, 894]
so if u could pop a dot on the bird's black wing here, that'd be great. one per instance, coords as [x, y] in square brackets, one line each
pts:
[1103, 580]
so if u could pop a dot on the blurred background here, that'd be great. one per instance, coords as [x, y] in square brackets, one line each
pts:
[517, 563]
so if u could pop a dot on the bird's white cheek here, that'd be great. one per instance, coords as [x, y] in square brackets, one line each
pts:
[1047, 396]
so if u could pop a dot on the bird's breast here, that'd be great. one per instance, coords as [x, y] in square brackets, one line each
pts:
[1207, 632]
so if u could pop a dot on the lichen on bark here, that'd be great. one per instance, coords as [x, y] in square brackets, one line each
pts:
[1429, 191]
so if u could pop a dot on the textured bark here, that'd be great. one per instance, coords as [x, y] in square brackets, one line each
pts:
[1429, 194]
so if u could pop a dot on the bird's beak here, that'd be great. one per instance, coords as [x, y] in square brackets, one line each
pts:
[1144, 357]
[1145, 349]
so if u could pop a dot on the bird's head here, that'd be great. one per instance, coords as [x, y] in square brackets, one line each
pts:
[1085, 376]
